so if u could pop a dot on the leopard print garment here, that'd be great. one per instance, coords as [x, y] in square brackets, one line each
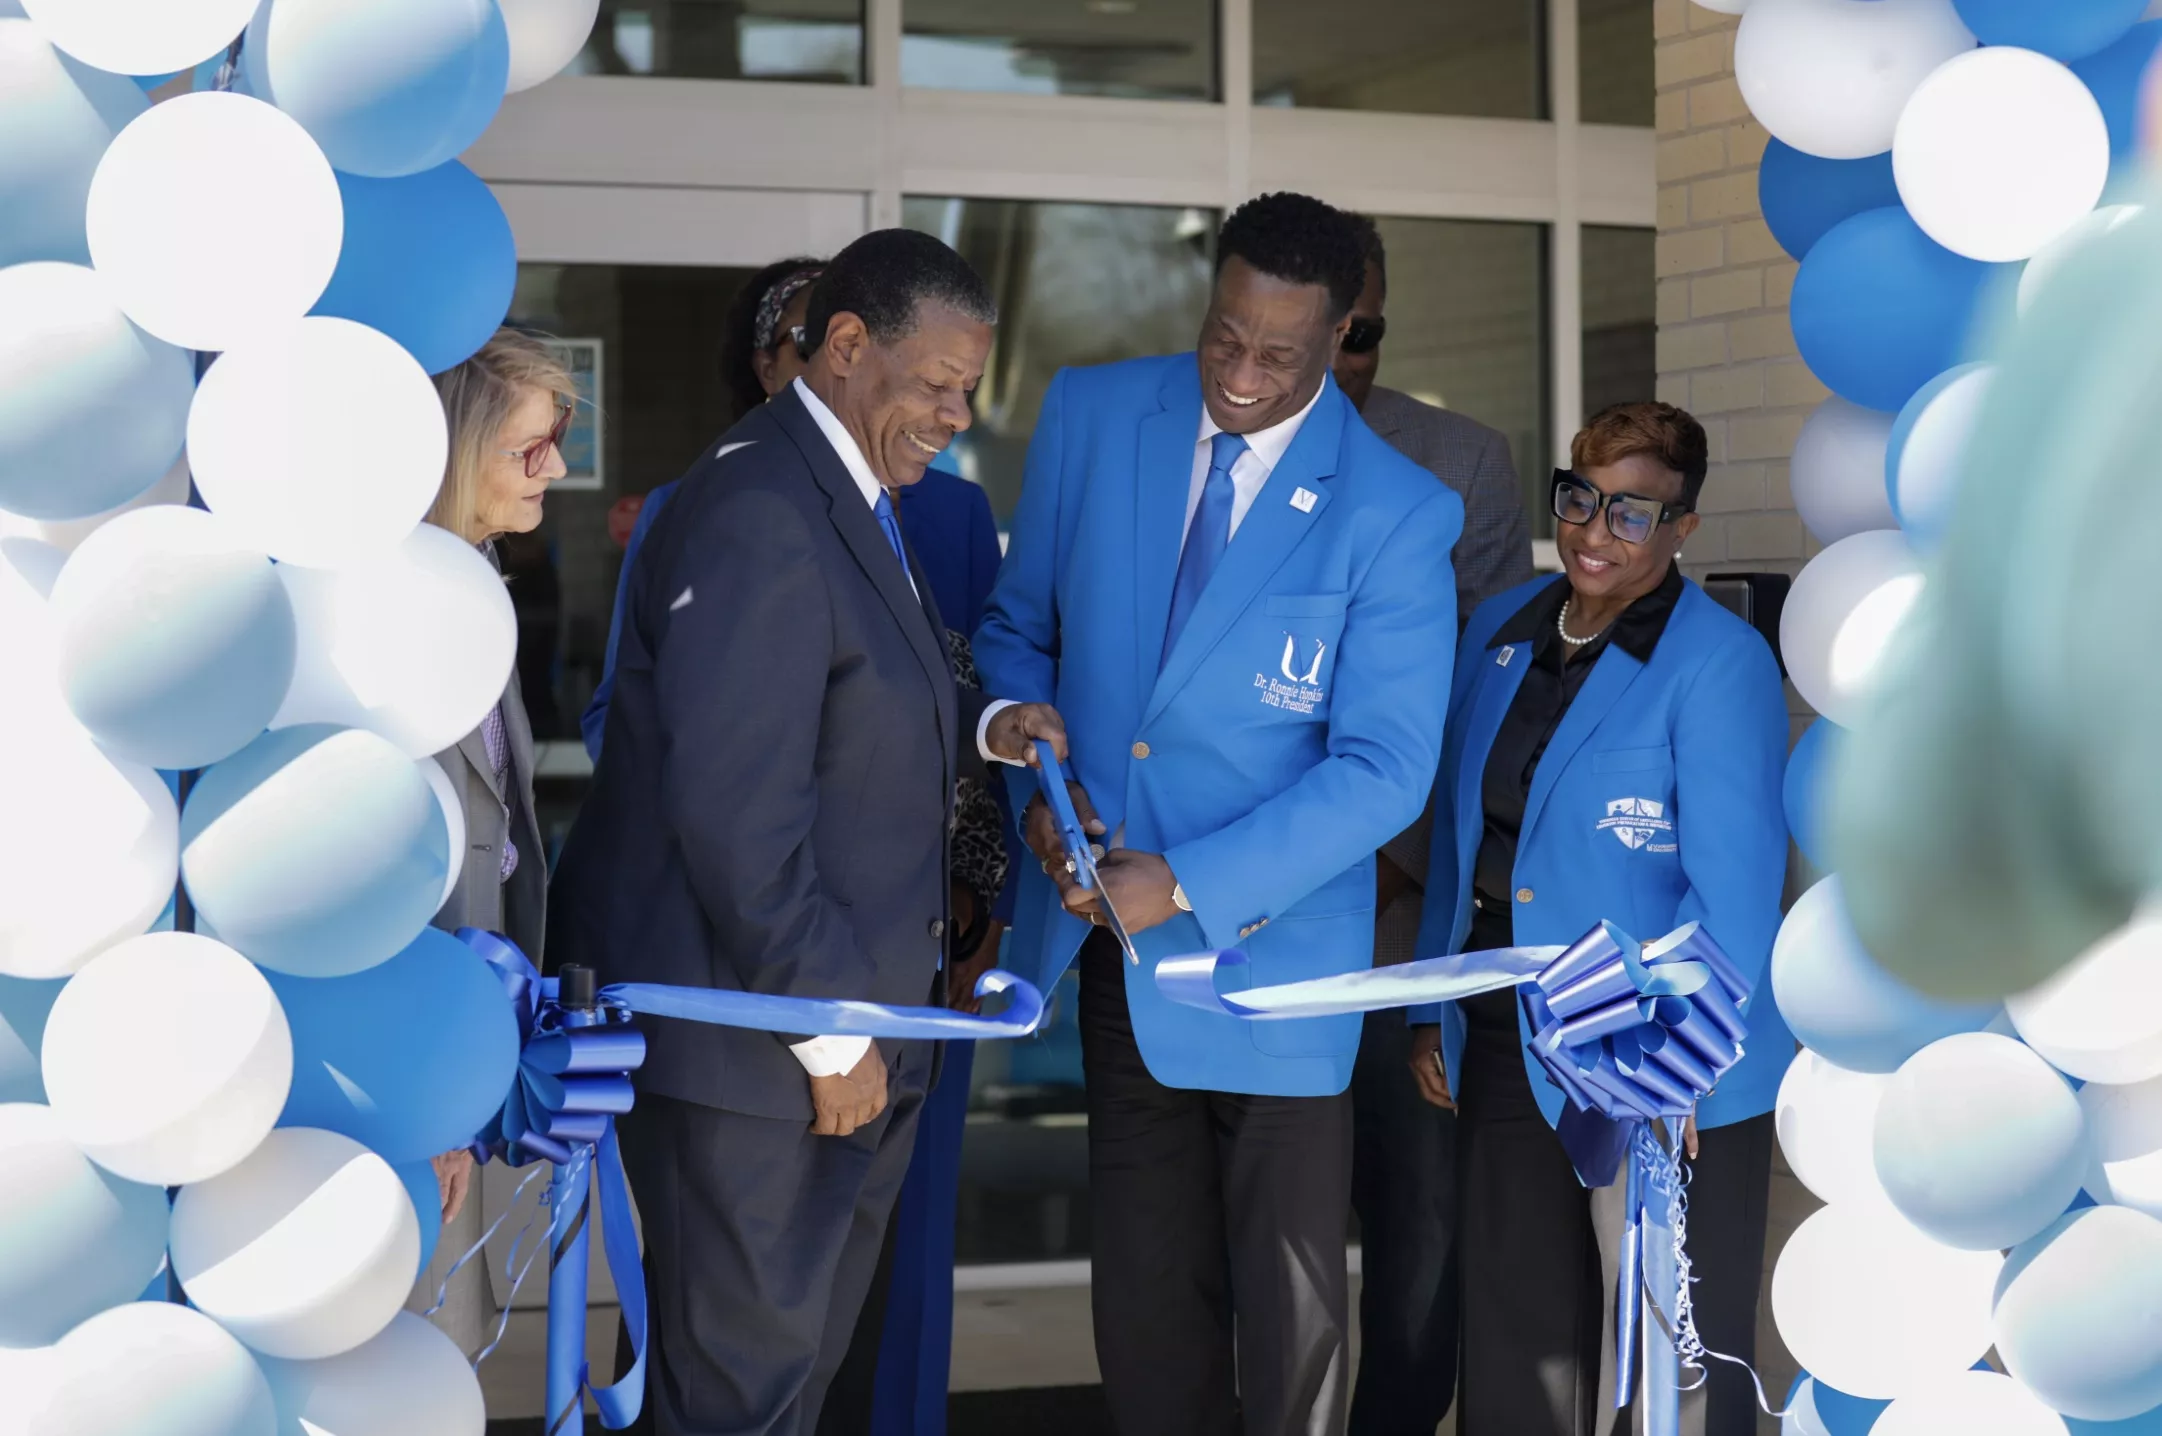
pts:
[979, 847]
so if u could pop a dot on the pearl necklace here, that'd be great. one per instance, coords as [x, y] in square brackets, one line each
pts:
[1561, 626]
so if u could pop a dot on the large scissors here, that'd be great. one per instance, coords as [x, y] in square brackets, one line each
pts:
[1080, 854]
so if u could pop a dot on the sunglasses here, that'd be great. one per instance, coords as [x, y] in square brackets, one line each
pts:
[1632, 518]
[535, 454]
[1364, 335]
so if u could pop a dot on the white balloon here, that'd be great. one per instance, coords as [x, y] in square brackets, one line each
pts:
[2052, 256]
[2000, 151]
[2124, 1125]
[2100, 1019]
[1873, 1308]
[446, 798]
[153, 1368]
[256, 439]
[67, 535]
[1926, 479]
[168, 1059]
[304, 1250]
[316, 851]
[92, 409]
[410, 1380]
[1838, 471]
[546, 35]
[2075, 1314]
[140, 37]
[59, 115]
[176, 638]
[417, 646]
[74, 1239]
[1841, 613]
[1972, 1403]
[1830, 77]
[213, 217]
[1825, 1116]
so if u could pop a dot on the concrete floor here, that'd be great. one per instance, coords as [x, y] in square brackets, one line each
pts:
[1040, 1336]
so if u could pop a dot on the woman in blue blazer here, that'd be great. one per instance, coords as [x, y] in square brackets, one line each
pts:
[1614, 752]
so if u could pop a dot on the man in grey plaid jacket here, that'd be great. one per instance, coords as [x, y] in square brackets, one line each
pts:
[1403, 1162]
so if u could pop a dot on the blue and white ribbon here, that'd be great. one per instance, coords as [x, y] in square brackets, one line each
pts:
[574, 1080]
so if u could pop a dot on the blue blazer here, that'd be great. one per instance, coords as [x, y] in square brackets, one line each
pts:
[1292, 729]
[1700, 731]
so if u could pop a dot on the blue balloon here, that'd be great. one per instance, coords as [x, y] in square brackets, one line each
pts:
[1802, 794]
[389, 88]
[1838, 1414]
[2061, 29]
[1979, 1142]
[58, 115]
[2075, 1315]
[24, 1006]
[1879, 308]
[1838, 1001]
[2147, 1424]
[420, 1185]
[428, 260]
[411, 1057]
[1803, 196]
[2114, 77]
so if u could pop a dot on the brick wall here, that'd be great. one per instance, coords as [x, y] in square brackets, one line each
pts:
[1726, 353]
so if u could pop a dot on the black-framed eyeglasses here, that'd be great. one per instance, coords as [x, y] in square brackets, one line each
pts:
[1365, 335]
[1632, 518]
[535, 454]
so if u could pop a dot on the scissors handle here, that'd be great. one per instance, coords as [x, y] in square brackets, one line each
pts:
[1052, 780]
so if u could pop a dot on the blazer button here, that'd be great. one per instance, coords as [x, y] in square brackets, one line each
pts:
[1523, 894]
[1141, 750]
[938, 927]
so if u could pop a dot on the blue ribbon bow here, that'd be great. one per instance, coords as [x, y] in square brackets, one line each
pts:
[1631, 1033]
[574, 1080]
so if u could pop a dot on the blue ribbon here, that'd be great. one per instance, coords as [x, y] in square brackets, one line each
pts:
[1631, 1033]
[574, 1080]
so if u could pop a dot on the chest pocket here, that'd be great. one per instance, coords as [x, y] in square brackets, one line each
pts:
[1634, 790]
[1293, 642]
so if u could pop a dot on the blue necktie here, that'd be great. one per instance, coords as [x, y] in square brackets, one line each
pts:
[891, 523]
[1207, 537]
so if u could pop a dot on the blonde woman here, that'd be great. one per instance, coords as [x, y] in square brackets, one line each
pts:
[508, 407]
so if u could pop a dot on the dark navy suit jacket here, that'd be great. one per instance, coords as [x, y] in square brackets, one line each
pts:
[770, 809]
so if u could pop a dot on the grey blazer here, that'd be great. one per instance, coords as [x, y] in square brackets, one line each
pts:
[1494, 551]
[1492, 554]
[518, 908]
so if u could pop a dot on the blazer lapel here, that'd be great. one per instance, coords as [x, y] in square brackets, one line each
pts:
[1271, 529]
[1163, 478]
[860, 531]
[1503, 675]
[1610, 678]
[474, 749]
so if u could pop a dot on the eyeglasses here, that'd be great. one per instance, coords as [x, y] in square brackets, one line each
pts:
[1364, 335]
[535, 454]
[1629, 517]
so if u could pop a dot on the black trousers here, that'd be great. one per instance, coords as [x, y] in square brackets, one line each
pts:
[1403, 1186]
[1534, 1291]
[1209, 1209]
[761, 1242]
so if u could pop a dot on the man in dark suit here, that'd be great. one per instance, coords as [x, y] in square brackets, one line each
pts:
[770, 815]
[1403, 1182]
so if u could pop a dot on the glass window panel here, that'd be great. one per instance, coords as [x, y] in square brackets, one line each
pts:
[1422, 57]
[1127, 49]
[1620, 317]
[1467, 314]
[812, 41]
[1614, 62]
[1076, 284]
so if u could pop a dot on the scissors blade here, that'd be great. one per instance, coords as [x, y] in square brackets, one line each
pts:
[1115, 923]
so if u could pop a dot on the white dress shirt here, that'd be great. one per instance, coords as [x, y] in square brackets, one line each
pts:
[832, 1056]
[1265, 449]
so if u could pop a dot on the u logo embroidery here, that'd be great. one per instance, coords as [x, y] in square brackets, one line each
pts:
[1291, 653]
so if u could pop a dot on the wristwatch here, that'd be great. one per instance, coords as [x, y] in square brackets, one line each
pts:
[1178, 895]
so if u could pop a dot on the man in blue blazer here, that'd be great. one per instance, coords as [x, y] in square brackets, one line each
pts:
[770, 814]
[1241, 600]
